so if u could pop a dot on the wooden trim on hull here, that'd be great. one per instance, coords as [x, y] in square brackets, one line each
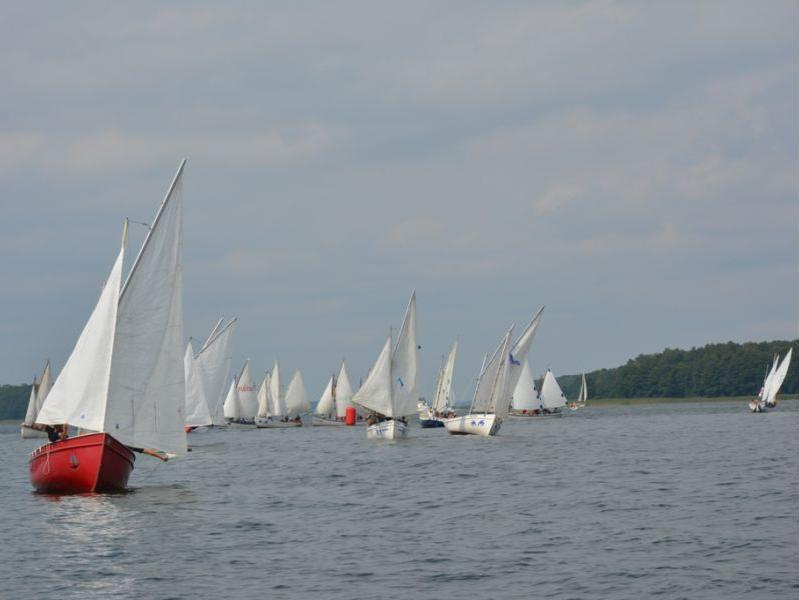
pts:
[94, 462]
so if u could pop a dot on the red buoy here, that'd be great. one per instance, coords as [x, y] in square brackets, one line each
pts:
[351, 416]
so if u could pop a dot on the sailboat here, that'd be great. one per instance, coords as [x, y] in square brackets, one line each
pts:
[39, 392]
[263, 400]
[772, 384]
[197, 412]
[582, 397]
[551, 396]
[234, 409]
[287, 410]
[525, 401]
[245, 407]
[336, 400]
[325, 411]
[490, 402]
[441, 408]
[213, 362]
[119, 384]
[389, 392]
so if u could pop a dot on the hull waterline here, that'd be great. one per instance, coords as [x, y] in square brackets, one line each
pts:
[94, 462]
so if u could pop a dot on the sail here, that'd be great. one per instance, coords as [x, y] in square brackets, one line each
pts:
[214, 362]
[500, 396]
[524, 395]
[343, 391]
[146, 391]
[375, 393]
[263, 398]
[232, 407]
[327, 402]
[44, 387]
[779, 377]
[764, 392]
[33, 407]
[551, 395]
[197, 413]
[297, 401]
[403, 365]
[275, 395]
[443, 399]
[583, 391]
[485, 382]
[79, 394]
[246, 390]
[520, 350]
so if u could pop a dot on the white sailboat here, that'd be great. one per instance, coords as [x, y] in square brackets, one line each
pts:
[213, 362]
[582, 397]
[759, 404]
[525, 401]
[441, 407]
[285, 409]
[197, 413]
[389, 392]
[124, 378]
[325, 411]
[234, 410]
[551, 396]
[263, 400]
[772, 384]
[247, 403]
[490, 403]
[39, 391]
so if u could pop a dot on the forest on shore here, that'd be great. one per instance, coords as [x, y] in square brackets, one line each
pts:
[714, 370]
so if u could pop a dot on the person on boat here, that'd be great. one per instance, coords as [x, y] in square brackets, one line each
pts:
[52, 434]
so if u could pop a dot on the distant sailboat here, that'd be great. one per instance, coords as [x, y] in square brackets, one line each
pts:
[197, 412]
[246, 407]
[325, 411]
[525, 401]
[124, 378]
[490, 403]
[582, 397]
[213, 362]
[335, 401]
[287, 410]
[38, 394]
[441, 408]
[234, 410]
[551, 396]
[389, 391]
[772, 384]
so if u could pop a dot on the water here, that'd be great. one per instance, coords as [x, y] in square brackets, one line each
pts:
[677, 501]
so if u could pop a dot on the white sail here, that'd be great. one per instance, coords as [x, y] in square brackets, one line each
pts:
[327, 403]
[551, 395]
[484, 392]
[232, 407]
[246, 390]
[197, 413]
[583, 397]
[147, 388]
[779, 378]
[524, 396]
[443, 399]
[344, 391]
[500, 396]
[764, 392]
[275, 393]
[375, 393]
[297, 401]
[33, 407]
[79, 394]
[44, 387]
[214, 362]
[403, 365]
[521, 349]
[263, 398]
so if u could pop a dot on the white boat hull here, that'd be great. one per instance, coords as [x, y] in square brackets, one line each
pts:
[477, 424]
[241, 425]
[30, 433]
[756, 406]
[519, 415]
[390, 430]
[272, 424]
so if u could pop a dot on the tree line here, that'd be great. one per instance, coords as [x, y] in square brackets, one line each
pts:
[714, 370]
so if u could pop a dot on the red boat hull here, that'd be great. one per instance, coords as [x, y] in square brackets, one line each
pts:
[95, 462]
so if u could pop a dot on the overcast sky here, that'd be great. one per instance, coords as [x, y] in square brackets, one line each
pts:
[632, 166]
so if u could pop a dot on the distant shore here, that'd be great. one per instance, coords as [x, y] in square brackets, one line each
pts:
[629, 401]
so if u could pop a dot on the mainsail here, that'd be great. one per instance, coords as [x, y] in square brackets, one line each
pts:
[263, 398]
[197, 413]
[213, 362]
[39, 392]
[551, 395]
[778, 378]
[232, 406]
[491, 395]
[296, 397]
[327, 402]
[520, 350]
[443, 398]
[343, 391]
[524, 396]
[246, 391]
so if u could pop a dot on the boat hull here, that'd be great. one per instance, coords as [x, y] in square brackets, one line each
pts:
[29, 433]
[431, 423]
[390, 430]
[757, 407]
[478, 424]
[272, 424]
[233, 425]
[529, 415]
[322, 421]
[94, 462]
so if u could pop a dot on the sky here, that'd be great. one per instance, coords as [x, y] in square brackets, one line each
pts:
[634, 167]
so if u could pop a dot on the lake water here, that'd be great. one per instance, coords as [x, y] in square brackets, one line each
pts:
[676, 501]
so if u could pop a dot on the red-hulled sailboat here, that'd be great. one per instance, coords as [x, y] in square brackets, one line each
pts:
[119, 385]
